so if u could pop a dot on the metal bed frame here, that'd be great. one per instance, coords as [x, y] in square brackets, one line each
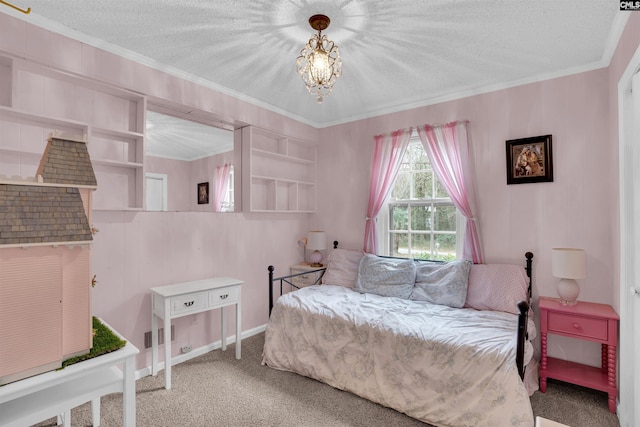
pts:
[523, 306]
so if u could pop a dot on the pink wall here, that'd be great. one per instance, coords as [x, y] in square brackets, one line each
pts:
[137, 250]
[575, 210]
[178, 181]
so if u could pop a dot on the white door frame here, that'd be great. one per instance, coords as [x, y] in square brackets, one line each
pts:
[629, 151]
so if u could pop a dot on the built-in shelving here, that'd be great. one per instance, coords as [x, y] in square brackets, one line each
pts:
[279, 172]
[110, 119]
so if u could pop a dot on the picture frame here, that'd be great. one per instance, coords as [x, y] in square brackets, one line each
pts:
[529, 160]
[203, 193]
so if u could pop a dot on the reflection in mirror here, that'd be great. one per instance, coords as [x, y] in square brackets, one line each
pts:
[179, 155]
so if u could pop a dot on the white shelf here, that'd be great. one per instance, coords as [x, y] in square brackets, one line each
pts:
[279, 172]
[285, 157]
[47, 121]
[117, 163]
[112, 124]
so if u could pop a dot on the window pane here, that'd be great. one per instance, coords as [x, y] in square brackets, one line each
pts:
[399, 218]
[421, 246]
[420, 159]
[401, 187]
[440, 191]
[445, 218]
[421, 215]
[444, 247]
[399, 244]
[422, 185]
[421, 218]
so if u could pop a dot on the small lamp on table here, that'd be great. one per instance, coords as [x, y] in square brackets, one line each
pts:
[316, 241]
[568, 264]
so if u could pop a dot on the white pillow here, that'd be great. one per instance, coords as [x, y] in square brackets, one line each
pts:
[387, 277]
[497, 287]
[342, 267]
[442, 283]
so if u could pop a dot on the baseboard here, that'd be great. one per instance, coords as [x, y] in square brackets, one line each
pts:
[146, 371]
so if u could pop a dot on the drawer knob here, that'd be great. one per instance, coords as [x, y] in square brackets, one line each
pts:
[224, 296]
[576, 325]
[189, 303]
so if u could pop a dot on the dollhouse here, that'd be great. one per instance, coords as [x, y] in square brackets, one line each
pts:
[45, 243]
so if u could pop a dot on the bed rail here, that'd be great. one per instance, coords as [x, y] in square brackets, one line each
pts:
[523, 317]
[288, 280]
[523, 306]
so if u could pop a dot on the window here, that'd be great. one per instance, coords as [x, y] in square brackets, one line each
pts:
[421, 220]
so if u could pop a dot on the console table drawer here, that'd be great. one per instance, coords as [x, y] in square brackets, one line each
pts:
[585, 327]
[223, 296]
[188, 303]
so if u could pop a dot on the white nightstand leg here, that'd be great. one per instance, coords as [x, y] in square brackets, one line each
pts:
[167, 346]
[129, 390]
[223, 322]
[238, 328]
[95, 412]
[154, 344]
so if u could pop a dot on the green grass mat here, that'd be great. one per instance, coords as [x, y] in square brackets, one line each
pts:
[104, 341]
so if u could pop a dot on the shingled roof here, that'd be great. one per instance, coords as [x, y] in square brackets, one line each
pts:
[36, 214]
[67, 162]
[41, 214]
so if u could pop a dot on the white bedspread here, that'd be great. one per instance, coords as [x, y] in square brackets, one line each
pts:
[448, 367]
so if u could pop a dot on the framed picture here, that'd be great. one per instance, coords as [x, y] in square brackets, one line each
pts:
[529, 160]
[203, 193]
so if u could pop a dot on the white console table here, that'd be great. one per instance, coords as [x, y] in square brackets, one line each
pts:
[182, 299]
[55, 393]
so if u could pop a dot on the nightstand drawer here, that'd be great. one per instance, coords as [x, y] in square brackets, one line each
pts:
[223, 296]
[188, 303]
[305, 279]
[586, 327]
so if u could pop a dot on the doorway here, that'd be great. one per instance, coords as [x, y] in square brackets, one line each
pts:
[629, 152]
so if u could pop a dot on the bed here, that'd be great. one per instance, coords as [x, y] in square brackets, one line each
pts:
[400, 336]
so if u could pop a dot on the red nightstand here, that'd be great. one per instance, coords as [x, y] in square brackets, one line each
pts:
[586, 321]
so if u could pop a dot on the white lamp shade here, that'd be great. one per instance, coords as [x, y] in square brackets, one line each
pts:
[317, 240]
[568, 263]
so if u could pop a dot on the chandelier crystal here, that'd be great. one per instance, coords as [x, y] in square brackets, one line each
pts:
[319, 63]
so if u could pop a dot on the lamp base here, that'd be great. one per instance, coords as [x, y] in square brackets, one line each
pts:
[568, 291]
[315, 259]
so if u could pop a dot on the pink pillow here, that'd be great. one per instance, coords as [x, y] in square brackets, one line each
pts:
[497, 287]
[342, 268]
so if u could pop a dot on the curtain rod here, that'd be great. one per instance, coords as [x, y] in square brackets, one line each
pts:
[26, 12]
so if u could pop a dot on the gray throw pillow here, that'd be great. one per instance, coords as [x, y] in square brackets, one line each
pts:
[386, 276]
[442, 283]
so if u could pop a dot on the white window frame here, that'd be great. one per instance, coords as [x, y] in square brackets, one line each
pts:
[383, 219]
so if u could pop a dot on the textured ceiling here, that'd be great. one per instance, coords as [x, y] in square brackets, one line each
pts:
[396, 54]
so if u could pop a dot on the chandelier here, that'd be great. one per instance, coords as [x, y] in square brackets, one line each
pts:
[319, 63]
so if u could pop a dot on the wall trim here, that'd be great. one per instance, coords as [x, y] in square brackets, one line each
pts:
[146, 371]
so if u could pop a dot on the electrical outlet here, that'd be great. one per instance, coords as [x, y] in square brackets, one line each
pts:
[186, 348]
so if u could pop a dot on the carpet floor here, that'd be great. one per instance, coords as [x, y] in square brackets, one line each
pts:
[215, 389]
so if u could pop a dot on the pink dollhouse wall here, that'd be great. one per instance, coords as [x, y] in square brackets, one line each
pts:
[45, 305]
[138, 250]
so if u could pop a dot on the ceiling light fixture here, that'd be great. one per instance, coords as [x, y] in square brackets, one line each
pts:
[319, 63]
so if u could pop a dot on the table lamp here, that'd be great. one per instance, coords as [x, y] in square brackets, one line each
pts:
[568, 264]
[316, 241]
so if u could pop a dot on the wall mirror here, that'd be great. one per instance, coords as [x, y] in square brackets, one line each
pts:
[189, 162]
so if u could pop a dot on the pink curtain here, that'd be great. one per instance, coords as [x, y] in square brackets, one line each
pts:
[387, 157]
[222, 185]
[448, 150]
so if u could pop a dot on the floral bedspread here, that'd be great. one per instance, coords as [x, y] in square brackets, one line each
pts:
[449, 367]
